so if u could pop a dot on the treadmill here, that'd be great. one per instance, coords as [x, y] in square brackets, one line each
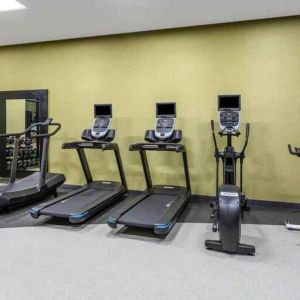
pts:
[94, 196]
[37, 185]
[159, 206]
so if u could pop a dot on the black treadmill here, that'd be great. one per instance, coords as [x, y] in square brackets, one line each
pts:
[37, 185]
[159, 206]
[88, 200]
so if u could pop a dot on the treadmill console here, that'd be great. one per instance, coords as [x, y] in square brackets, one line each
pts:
[229, 107]
[103, 117]
[165, 120]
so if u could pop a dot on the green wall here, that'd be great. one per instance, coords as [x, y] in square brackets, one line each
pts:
[260, 60]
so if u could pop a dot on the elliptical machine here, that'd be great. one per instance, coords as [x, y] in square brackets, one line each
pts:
[230, 199]
[288, 225]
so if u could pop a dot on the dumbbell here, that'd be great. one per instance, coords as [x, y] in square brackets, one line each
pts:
[10, 140]
[22, 140]
[28, 142]
[9, 151]
[26, 163]
[22, 150]
[30, 151]
[8, 165]
[20, 164]
[34, 152]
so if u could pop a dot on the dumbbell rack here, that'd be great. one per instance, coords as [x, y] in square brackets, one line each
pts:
[28, 156]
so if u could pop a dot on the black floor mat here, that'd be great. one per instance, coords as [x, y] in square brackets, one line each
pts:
[197, 211]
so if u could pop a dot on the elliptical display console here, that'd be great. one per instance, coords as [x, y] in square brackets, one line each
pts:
[230, 198]
[229, 113]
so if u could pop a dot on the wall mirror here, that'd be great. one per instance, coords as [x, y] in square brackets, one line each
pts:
[19, 110]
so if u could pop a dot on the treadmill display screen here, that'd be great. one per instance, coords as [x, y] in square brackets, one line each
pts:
[166, 109]
[232, 102]
[103, 110]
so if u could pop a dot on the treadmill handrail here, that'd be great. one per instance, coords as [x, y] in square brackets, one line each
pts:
[48, 122]
[81, 145]
[90, 144]
[157, 147]
[143, 147]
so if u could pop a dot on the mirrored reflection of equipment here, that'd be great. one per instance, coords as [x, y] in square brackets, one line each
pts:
[294, 151]
[94, 196]
[19, 115]
[230, 198]
[37, 185]
[159, 206]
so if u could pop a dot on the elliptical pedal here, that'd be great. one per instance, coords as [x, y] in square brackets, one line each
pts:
[244, 203]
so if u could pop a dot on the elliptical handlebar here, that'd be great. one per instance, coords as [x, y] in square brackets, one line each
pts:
[295, 151]
[212, 124]
[247, 130]
[247, 138]
[291, 150]
[237, 133]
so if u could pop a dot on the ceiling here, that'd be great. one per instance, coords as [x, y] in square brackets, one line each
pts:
[46, 20]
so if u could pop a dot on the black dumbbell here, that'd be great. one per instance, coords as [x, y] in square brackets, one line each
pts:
[10, 151]
[28, 142]
[10, 140]
[22, 140]
[35, 152]
[20, 163]
[8, 165]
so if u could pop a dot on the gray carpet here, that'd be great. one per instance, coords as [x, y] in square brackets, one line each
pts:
[95, 262]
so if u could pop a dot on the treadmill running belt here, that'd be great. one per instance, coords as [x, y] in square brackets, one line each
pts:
[149, 211]
[79, 203]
